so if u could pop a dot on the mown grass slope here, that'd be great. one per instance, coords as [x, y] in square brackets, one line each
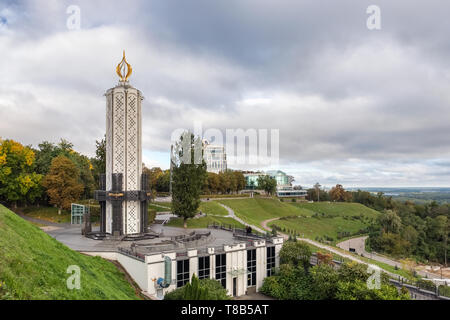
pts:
[47, 214]
[212, 207]
[256, 210]
[323, 220]
[203, 222]
[337, 208]
[208, 207]
[33, 265]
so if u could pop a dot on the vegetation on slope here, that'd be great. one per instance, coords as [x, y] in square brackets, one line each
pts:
[297, 280]
[323, 220]
[330, 221]
[256, 210]
[203, 222]
[208, 207]
[214, 208]
[338, 208]
[33, 265]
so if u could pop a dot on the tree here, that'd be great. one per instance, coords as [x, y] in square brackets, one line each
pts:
[240, 180]
[390, 221]
[296, 253]
[324, 281]
[213, 183]
[358, 290]
[44, 156]
[163, 181]
[154, 175]
[324, 258]
[338, 193]
[48, 151]
[62, 183]
[317, 189]
[99, 161]
[18, 182]
[188, 176]
[268, 184]
[317, 194]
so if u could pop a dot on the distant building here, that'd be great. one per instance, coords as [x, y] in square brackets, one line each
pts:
[251, 179]
[215, 157]
[284, 183]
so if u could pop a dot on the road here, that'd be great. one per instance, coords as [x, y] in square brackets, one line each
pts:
[357, 243]
[360, 248]
[315, 243]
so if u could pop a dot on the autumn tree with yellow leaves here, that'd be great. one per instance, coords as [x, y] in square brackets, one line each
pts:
[62, 183]
[18, 181]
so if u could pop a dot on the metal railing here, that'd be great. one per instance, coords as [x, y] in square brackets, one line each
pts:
[132, 254]
[239, 232]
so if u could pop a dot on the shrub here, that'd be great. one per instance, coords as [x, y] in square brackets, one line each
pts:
[204, 289]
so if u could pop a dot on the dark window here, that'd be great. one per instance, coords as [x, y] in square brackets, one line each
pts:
[221, 269]
[251, 267]
[270, 260]
[182, 272]
[203, 267]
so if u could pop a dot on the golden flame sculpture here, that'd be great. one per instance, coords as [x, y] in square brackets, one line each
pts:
[122, 67]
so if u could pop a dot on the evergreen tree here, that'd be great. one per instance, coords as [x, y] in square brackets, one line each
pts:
[188, 176]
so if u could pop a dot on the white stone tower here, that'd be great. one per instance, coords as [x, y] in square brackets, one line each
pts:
[124, 191]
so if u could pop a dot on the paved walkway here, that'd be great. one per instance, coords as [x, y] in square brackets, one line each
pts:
[44, 222]
[231, 214]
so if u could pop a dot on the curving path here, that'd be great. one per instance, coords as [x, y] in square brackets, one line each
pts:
[359, 244]
[231, 214]
[331, 249]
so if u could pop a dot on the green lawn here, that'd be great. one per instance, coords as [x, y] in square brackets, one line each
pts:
[204, 221]
[47, 214]
[212, 207]
[209, 207]
[33, 265]
[161, 206]
[337, 208]
[313, 220]
[256, 210]
[311, 227]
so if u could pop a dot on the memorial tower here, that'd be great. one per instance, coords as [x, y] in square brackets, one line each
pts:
[124, 191]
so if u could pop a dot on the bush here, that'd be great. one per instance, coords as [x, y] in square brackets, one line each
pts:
[444, 291]
[204, 289]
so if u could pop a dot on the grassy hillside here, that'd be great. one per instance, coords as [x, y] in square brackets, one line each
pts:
[256, 210]
[33, 266]
[210, 207]
[330, 221]
[47, 214]
[337, 208]
[204, 221]
[323, 220]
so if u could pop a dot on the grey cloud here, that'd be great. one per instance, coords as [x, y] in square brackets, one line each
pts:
[336, 90]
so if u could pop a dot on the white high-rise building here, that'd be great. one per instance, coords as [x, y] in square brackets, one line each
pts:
[215, 157]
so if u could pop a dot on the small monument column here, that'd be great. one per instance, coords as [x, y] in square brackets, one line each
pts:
[123, 193]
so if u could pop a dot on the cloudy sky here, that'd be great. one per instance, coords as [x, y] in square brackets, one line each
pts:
[353, 106]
